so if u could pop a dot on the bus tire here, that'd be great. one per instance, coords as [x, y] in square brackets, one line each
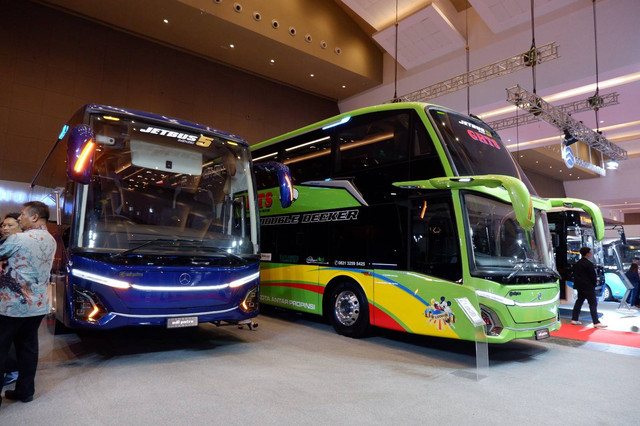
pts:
[349, 310]
[606, 294]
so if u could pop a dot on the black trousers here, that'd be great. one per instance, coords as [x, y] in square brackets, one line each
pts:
[23, 332]
[590, 296]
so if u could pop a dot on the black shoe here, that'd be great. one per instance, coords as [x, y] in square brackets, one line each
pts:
[11, 394]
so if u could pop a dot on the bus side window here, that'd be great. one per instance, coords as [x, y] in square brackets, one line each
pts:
[422, 143]
[266, 179]
[381, 139]
[434, 242]
[309, 157]
[423, 151]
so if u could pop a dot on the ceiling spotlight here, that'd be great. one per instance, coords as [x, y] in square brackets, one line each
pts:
[166, 21]
[569, 139]
[612, 165]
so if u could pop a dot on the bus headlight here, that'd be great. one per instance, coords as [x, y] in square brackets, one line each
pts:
[250, 302]
[87, 305]
[493, 326]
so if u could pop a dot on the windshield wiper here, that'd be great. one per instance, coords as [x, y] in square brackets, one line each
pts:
[149, 242]
[520, 266]
[178, 242]
[131, 250]
[223, 251]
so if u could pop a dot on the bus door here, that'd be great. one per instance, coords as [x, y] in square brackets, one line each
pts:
[421, 300]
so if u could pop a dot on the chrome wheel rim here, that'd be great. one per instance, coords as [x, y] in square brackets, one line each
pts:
[347, 308]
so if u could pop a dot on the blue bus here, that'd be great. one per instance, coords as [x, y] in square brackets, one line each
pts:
[156, 222]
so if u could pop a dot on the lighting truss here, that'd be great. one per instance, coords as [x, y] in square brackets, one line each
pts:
[506, 66]
[562, 121]
[569, 109]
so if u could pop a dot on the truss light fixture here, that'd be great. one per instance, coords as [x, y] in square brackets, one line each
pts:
[563, 121]
[612, 165]
[569, 139]
[570, 108]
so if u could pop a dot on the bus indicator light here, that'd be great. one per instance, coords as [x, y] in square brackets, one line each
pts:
[80, 148]
[424, 209]
[84, 155]
[64, 131]
[337, 123]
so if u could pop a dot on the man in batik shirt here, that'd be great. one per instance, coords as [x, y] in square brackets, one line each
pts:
[24, 297]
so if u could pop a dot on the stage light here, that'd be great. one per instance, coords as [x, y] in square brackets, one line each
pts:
[569, 139]
[612, 165]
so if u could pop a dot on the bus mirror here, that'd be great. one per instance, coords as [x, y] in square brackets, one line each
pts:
[80, 150]
[518, 192]
[555, 240]
[621, 234]
[285, 184]
[592, 209]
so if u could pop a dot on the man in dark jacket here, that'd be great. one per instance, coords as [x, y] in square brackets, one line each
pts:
[585, 281]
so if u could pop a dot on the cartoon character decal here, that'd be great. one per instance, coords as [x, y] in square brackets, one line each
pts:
[440, 314]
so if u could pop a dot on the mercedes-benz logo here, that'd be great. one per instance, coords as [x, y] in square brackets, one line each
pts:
[184, 279]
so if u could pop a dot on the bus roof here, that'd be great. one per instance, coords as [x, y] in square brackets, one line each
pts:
[337, 119]
[162, 118]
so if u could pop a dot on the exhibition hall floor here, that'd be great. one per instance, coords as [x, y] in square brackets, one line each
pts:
[623, 325]
[294, 370]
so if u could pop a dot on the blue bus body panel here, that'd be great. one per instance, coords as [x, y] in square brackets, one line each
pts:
[161, 292]
[616, 284]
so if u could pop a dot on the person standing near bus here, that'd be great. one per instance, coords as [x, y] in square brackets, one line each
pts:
[585, 281]
[10, 226]
[24, 299]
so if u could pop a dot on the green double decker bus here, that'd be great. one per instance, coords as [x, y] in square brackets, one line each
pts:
[411, 217]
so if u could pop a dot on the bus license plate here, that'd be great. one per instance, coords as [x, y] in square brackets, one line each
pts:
[182, 322]
[542, 334]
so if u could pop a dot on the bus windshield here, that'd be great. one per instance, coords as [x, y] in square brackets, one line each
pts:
[502, 250]
[628, 252]
[152, 185]
[578, 237]
[474, 148]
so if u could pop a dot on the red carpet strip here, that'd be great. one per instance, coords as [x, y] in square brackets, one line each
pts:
[590, 334]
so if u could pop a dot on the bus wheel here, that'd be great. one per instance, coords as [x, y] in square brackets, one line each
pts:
[606, 293]
[349, 310]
